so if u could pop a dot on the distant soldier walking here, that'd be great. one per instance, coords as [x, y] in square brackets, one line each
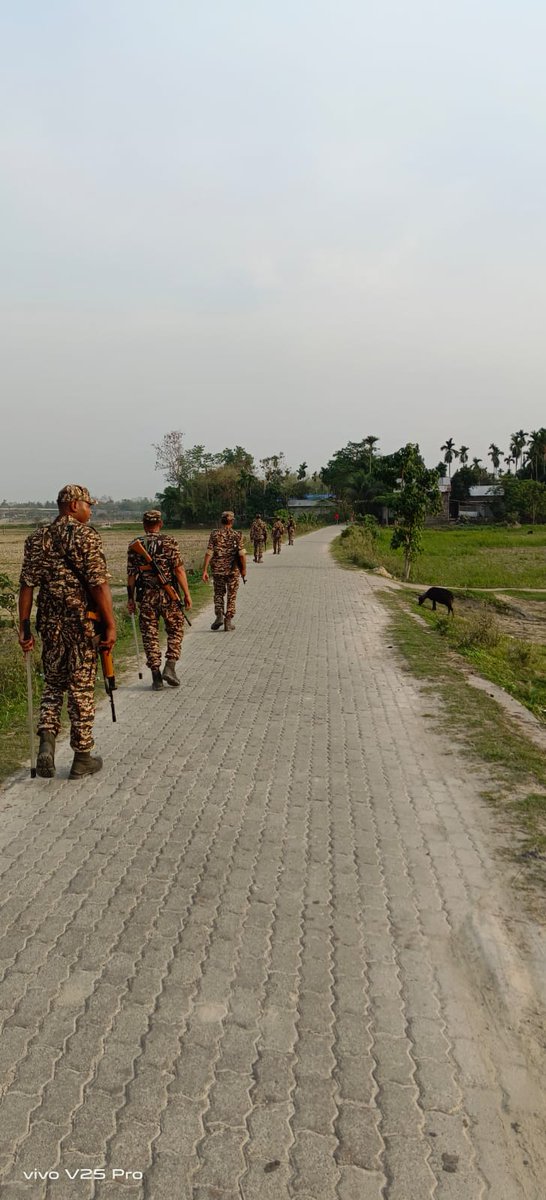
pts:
[258, 537]
[153, 600]
[65, 560]
[291, 529]
[277, 534]
[227, 558]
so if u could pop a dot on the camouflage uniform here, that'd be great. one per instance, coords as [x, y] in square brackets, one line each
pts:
[291, 529]
[258, 536]
[225, 544]
[154, 601]
[69, 642]
[277, 534]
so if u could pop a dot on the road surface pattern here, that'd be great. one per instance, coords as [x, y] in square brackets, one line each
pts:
[247, 959]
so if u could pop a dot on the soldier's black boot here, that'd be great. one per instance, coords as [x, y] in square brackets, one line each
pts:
[157, 681]
[228, 625]
[217, 623]
[85, 763]
[45, 763]
[169, 673]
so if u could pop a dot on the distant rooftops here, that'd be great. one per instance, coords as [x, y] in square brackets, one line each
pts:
[483, 490]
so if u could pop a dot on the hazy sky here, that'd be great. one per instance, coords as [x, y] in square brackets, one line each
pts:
[280, 223]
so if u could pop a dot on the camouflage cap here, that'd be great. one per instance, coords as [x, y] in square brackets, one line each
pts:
[74, 491]
[227, 516]
[151, 516]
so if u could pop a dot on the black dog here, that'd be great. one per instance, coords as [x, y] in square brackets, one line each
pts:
[438, 595]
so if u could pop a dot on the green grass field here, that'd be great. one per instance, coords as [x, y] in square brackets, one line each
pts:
[501, 643]
[488, 557]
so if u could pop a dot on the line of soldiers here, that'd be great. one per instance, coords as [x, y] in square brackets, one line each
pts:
[75, 616]
[258, 535]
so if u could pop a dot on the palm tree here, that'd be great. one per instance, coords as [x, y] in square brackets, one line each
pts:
[463, 455]
[477, 464]
[517, 445]
[495, 454]
[536, 452]
[369, 443]
[449, 453]
[509, 460]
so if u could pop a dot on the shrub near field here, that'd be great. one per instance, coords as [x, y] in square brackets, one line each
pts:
[490, 557]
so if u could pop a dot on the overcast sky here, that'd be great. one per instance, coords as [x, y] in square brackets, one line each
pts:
[281, 223]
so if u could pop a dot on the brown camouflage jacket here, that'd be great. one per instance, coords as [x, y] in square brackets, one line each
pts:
[45, 566]
[166, 553]
[258, 530]
[225, 545]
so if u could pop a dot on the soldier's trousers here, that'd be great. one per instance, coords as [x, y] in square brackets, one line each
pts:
[226, 585]
[290, 539]
[258, 551]
[276, 545]
[155, 604]
[69, 659]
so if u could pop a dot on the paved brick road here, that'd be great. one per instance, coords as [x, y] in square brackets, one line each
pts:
[244, 960]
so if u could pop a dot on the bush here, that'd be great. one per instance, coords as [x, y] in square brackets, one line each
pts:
[371, 523]
[520, 654]
[358, 546]
[480, 630]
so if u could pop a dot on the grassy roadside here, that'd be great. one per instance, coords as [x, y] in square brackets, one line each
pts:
[498, 648]
[481, 729]
[437, 650]
[14, 743]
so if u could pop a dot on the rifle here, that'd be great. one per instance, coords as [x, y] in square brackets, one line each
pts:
[107, 664]
[106, 659]
[27, 634]
[160, 574]
[239, 560]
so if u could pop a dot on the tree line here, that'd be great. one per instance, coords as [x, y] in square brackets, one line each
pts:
[366, 482]
[200, 485]
[526, 453]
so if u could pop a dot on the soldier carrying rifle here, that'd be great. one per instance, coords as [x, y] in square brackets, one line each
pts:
[155, 576]
[66, 561]
[227, 557]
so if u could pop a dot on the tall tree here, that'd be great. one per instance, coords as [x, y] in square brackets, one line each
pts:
[170, 456]
[536, 453]
[369, 444]
[449, 453]
[419, 496]
[302, 470]
[495, 454]
[517, 446]
[463, 455]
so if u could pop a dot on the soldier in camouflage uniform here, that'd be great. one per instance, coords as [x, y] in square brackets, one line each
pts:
[226, 555]
[258, 536]
[277, 535]
[154, 601]
[66, 561]
[291, 529]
